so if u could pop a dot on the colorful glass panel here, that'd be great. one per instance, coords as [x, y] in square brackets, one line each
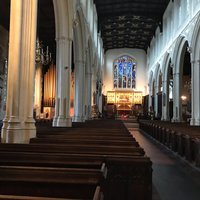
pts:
[124, 72]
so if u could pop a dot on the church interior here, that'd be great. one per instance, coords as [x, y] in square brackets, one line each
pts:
[100, 99]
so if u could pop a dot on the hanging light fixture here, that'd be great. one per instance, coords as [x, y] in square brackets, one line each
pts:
[41, 56]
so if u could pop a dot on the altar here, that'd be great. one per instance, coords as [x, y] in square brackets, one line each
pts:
[124, 100]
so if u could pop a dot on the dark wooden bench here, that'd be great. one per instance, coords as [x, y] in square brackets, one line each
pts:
[18, 197]
[128, 170]
[82, 149]
[83, 130]
[75, 183]
[180, 137]
[97, 196]
[58, 140]
[82, 137]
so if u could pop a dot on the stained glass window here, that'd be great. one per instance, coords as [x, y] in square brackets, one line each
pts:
[124, 72]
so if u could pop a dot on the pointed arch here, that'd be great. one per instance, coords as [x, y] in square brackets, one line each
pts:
[156, 72]
[150, 82]
[90, 55]
[63, 18]
[165, 65]
[179, 50]
[78, 41]
[80, 35]
[195, 42]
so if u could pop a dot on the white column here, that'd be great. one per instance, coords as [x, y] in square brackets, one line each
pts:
[38, 90]
[94, 98]
[88, 95]
[177, 104]
[195, 90]
[79, 75]
[150, 99]
[63, 73]
[19, 125]
[156, 100]
[165, 102]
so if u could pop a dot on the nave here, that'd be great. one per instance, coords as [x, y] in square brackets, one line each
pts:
[173, 178]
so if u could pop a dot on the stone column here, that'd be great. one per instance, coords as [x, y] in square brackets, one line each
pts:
[63, 73]
[19, 125]
[156, 100]
[94, 81]
[38, 90]
[165, 102]
[195, 93]
[177, 104]
[79, 109]
[150, 99]
[88, 95]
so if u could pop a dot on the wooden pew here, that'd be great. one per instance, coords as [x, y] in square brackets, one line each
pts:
[136, 163]
[74, 183]
[58, 140]
[125, 161]
[58, 159]
[128, 179]
[180, 137]
[85, 137]
[83, 130]
[117, 166]
[82, 149]
[18, 197]
[51, 159]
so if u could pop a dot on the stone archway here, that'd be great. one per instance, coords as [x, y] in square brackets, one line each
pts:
[195, 79]
[178, 61]
[167, 112]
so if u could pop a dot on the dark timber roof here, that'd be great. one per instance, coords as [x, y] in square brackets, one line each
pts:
[122, 23]
[129, 23]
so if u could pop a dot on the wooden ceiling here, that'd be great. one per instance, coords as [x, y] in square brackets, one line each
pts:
[129, 23]
[122, 23]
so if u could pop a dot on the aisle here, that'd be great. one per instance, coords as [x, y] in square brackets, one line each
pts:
[173, 179]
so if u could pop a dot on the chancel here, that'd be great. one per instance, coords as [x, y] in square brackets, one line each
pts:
[100, 99]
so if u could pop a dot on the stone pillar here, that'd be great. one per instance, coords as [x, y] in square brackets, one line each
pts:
[88, 95]
[79, 109]
[177, 104]
[19, 125]
[156, 100]
[63, 80]
[38, 90]
[150, 99]
[165, 102]
[195, 90]
[94, 82]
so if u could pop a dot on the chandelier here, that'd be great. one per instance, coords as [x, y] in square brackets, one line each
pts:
[41, 56]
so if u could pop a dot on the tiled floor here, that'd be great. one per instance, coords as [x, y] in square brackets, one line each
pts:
[173, 178]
